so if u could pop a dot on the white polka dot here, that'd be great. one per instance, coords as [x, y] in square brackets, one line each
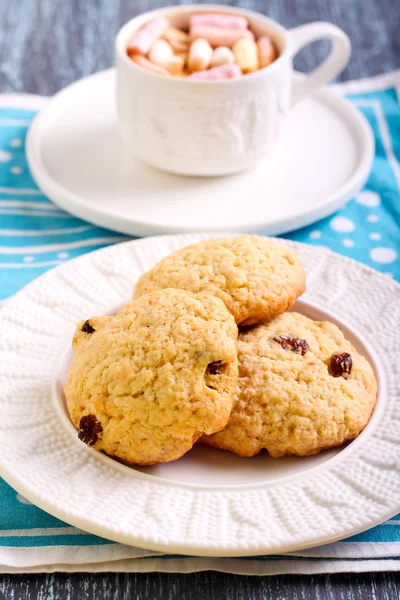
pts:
[23, 500]
[372, 219]
[368, 199]
[348, 243]
[315, 235]
[16, 143]
[16, 170]
[383, 255]
[5, 156]
[28, 259]
[375, 236]
[342, 224]
[63, 255]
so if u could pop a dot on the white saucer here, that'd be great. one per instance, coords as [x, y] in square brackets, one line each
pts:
[76, 157]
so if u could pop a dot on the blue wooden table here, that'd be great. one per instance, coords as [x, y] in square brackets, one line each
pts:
[47, 44]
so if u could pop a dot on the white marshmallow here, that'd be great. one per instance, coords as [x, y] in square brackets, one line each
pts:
[162, 55]
[200, 54]
[222, 56]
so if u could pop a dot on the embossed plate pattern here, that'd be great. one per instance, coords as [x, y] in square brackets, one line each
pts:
[357, 489]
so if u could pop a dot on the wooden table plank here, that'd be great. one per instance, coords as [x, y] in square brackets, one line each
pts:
[204, 586]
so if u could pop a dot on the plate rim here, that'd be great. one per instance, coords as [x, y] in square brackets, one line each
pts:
[199, 549]
[81, 208]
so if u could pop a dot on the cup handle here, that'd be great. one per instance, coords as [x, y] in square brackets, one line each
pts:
[332, 65]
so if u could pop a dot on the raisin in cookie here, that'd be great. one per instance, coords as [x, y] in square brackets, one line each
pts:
[144, 385]
[302, 388]
[257, 278]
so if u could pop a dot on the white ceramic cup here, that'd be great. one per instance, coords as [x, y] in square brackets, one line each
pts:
[216, 127]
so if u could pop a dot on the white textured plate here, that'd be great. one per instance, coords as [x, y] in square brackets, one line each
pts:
[75, 154]
[209, 502]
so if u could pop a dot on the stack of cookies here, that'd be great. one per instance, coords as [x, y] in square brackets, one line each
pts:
[206, 352]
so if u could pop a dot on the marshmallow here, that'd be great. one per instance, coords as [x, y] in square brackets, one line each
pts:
[143, 39]
[200, 54]
[177, 39]
[246, 54]
[266, 51]
[148, 65]
[222, 56]
[222, 72]
[219, 20]
[161, 54]
[219, 37]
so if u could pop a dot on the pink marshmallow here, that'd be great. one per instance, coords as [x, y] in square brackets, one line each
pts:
[143, 39]
[219, 20]
[149, 66]
[266, 51]
[222, 72]
[218, 36]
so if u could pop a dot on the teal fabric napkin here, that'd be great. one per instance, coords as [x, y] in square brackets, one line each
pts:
[35, 235]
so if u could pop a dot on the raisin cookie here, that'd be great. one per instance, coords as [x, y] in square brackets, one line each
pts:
[145, 384]
[302, 388]
[257, 278]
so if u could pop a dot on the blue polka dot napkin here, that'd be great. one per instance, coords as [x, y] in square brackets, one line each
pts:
[35, 235]
[368, 227]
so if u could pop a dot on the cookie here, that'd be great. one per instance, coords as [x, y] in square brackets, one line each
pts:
[302, 388]
[256, 278]
[145, 384]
